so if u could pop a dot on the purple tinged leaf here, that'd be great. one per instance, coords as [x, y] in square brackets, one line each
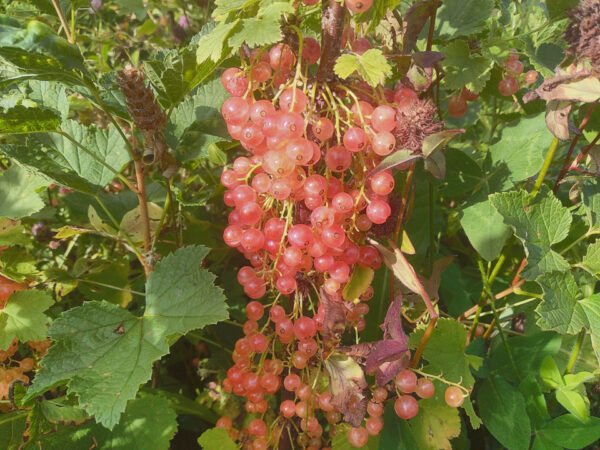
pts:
[400, 267]
[390, 355]
[428, 59]
[438, 140]
[392, 325]
[395, 159]
[416, 18]
[432, 284]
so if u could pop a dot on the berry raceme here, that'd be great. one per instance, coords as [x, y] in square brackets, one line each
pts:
[303, 201]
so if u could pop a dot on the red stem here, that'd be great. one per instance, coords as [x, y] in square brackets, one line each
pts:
[567, 163]
[332, 25]
[584, 152]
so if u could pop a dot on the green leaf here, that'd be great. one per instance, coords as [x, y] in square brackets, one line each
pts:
[148, 423]
[591, 309]
[23, 317]
[12, 232]
[591, 260]
[195, 301]
[35, 49]
[550, 374]
[569, 432]
[94, 154]
[535, 402]
[485, 230]
[175, 73]
[528, 352]
[522, 147]
[372, 66]
[463, 69]
[216, 438]
[44, 160]
[575, 402]
[436, 423]
[396, 433]
[104, 352]
[346, 64]
[196, 123]
[17, 264]
[503, 410]
[212, 45]
[462, 173]
[20, 119]
[445, 352]
[470, 411]
[18, 193]
[560, 310]
[462, 17]
[481, 222]
[50, 95]
[12, 427]
[538, 223]
[376, 13]
[263, 29]
[224, 7]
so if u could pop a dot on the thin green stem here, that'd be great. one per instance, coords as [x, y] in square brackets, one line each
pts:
[486, 285]
[575, 352]
[545, 167]
[487, 281]
[110, 286]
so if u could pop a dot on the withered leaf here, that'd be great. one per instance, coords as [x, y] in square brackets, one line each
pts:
[347, 385]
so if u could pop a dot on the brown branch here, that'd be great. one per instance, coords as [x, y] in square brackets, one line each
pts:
[63, 21]
[141, 194]
[332, 25]
[567, 163]
[432, 25]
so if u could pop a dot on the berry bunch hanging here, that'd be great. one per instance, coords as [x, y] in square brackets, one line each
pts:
[304, 200]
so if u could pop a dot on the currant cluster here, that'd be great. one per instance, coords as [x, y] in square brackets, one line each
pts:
[304, 200]
[407, 383]
[513, 68]
[509, 85]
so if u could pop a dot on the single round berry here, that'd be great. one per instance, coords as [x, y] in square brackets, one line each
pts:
[508, 86]
[358, 437]
[406, 407]
[457, 106]
[454, 396]
[406, 381]
[425, 388]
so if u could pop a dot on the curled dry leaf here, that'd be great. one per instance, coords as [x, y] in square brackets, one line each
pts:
[557, 118]
[390, 355]
[576, 83]
[334, 323]
[347, 385]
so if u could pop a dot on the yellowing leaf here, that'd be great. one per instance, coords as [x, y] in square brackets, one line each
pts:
[371, 66]
[132, 223]
[359, 282]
